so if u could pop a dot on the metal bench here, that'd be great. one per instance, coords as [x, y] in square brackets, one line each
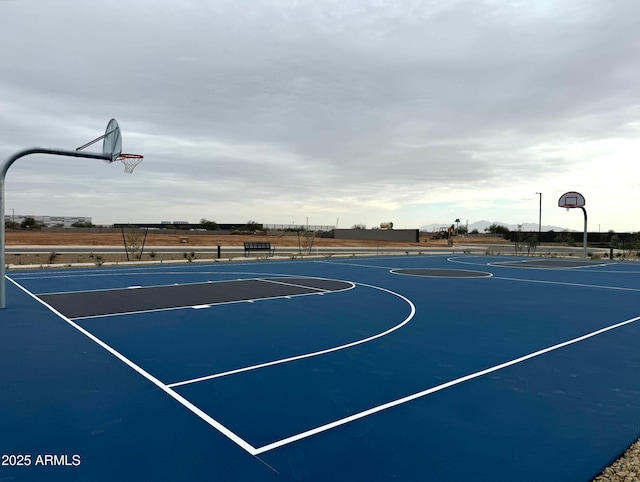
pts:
[258, 246]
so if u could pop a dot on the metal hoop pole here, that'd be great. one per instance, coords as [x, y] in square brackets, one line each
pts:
[3, 172]
[584, 238]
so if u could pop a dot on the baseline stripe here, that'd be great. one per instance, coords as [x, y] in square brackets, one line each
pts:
[179, 398]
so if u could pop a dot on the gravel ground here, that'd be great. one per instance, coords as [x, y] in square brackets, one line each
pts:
[625, 469]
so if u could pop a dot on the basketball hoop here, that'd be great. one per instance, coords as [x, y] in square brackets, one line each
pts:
[571, 200]
[130, 161]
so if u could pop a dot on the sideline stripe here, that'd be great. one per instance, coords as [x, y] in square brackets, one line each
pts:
[179, 398]
[457, 381]
[566, 283]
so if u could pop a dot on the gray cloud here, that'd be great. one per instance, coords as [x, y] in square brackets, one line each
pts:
[337, 107]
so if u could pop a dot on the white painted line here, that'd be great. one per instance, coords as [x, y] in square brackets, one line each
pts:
[396, 271]
[359, 265]
[308, 355]
[186, 307]
[319, 290]
[266, 280]
[134, 287]
[423, 393]
[200, 307]
[566, 283]
[519, 263]
[179, 398]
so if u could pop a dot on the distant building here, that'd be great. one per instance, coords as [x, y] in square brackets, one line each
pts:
[48, 221]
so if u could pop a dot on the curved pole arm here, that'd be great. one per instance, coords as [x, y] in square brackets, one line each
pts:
[3, 172]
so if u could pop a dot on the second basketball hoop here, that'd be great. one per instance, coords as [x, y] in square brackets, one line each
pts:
[571, 200]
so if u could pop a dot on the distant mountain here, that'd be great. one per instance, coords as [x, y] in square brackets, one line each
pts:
[482, 225]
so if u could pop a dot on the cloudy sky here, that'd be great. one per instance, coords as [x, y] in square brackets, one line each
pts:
[326, 111]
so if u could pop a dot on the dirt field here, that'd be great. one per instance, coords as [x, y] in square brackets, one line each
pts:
[38, 238]
[182, 242]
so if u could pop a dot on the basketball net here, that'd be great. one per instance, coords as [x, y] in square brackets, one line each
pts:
[130, 161]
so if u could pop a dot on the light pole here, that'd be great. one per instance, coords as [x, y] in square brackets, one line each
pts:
[539, 216]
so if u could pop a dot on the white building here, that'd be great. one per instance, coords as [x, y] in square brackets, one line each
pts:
[48, 221]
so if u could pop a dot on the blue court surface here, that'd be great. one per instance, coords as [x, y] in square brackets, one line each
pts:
[403, 368]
